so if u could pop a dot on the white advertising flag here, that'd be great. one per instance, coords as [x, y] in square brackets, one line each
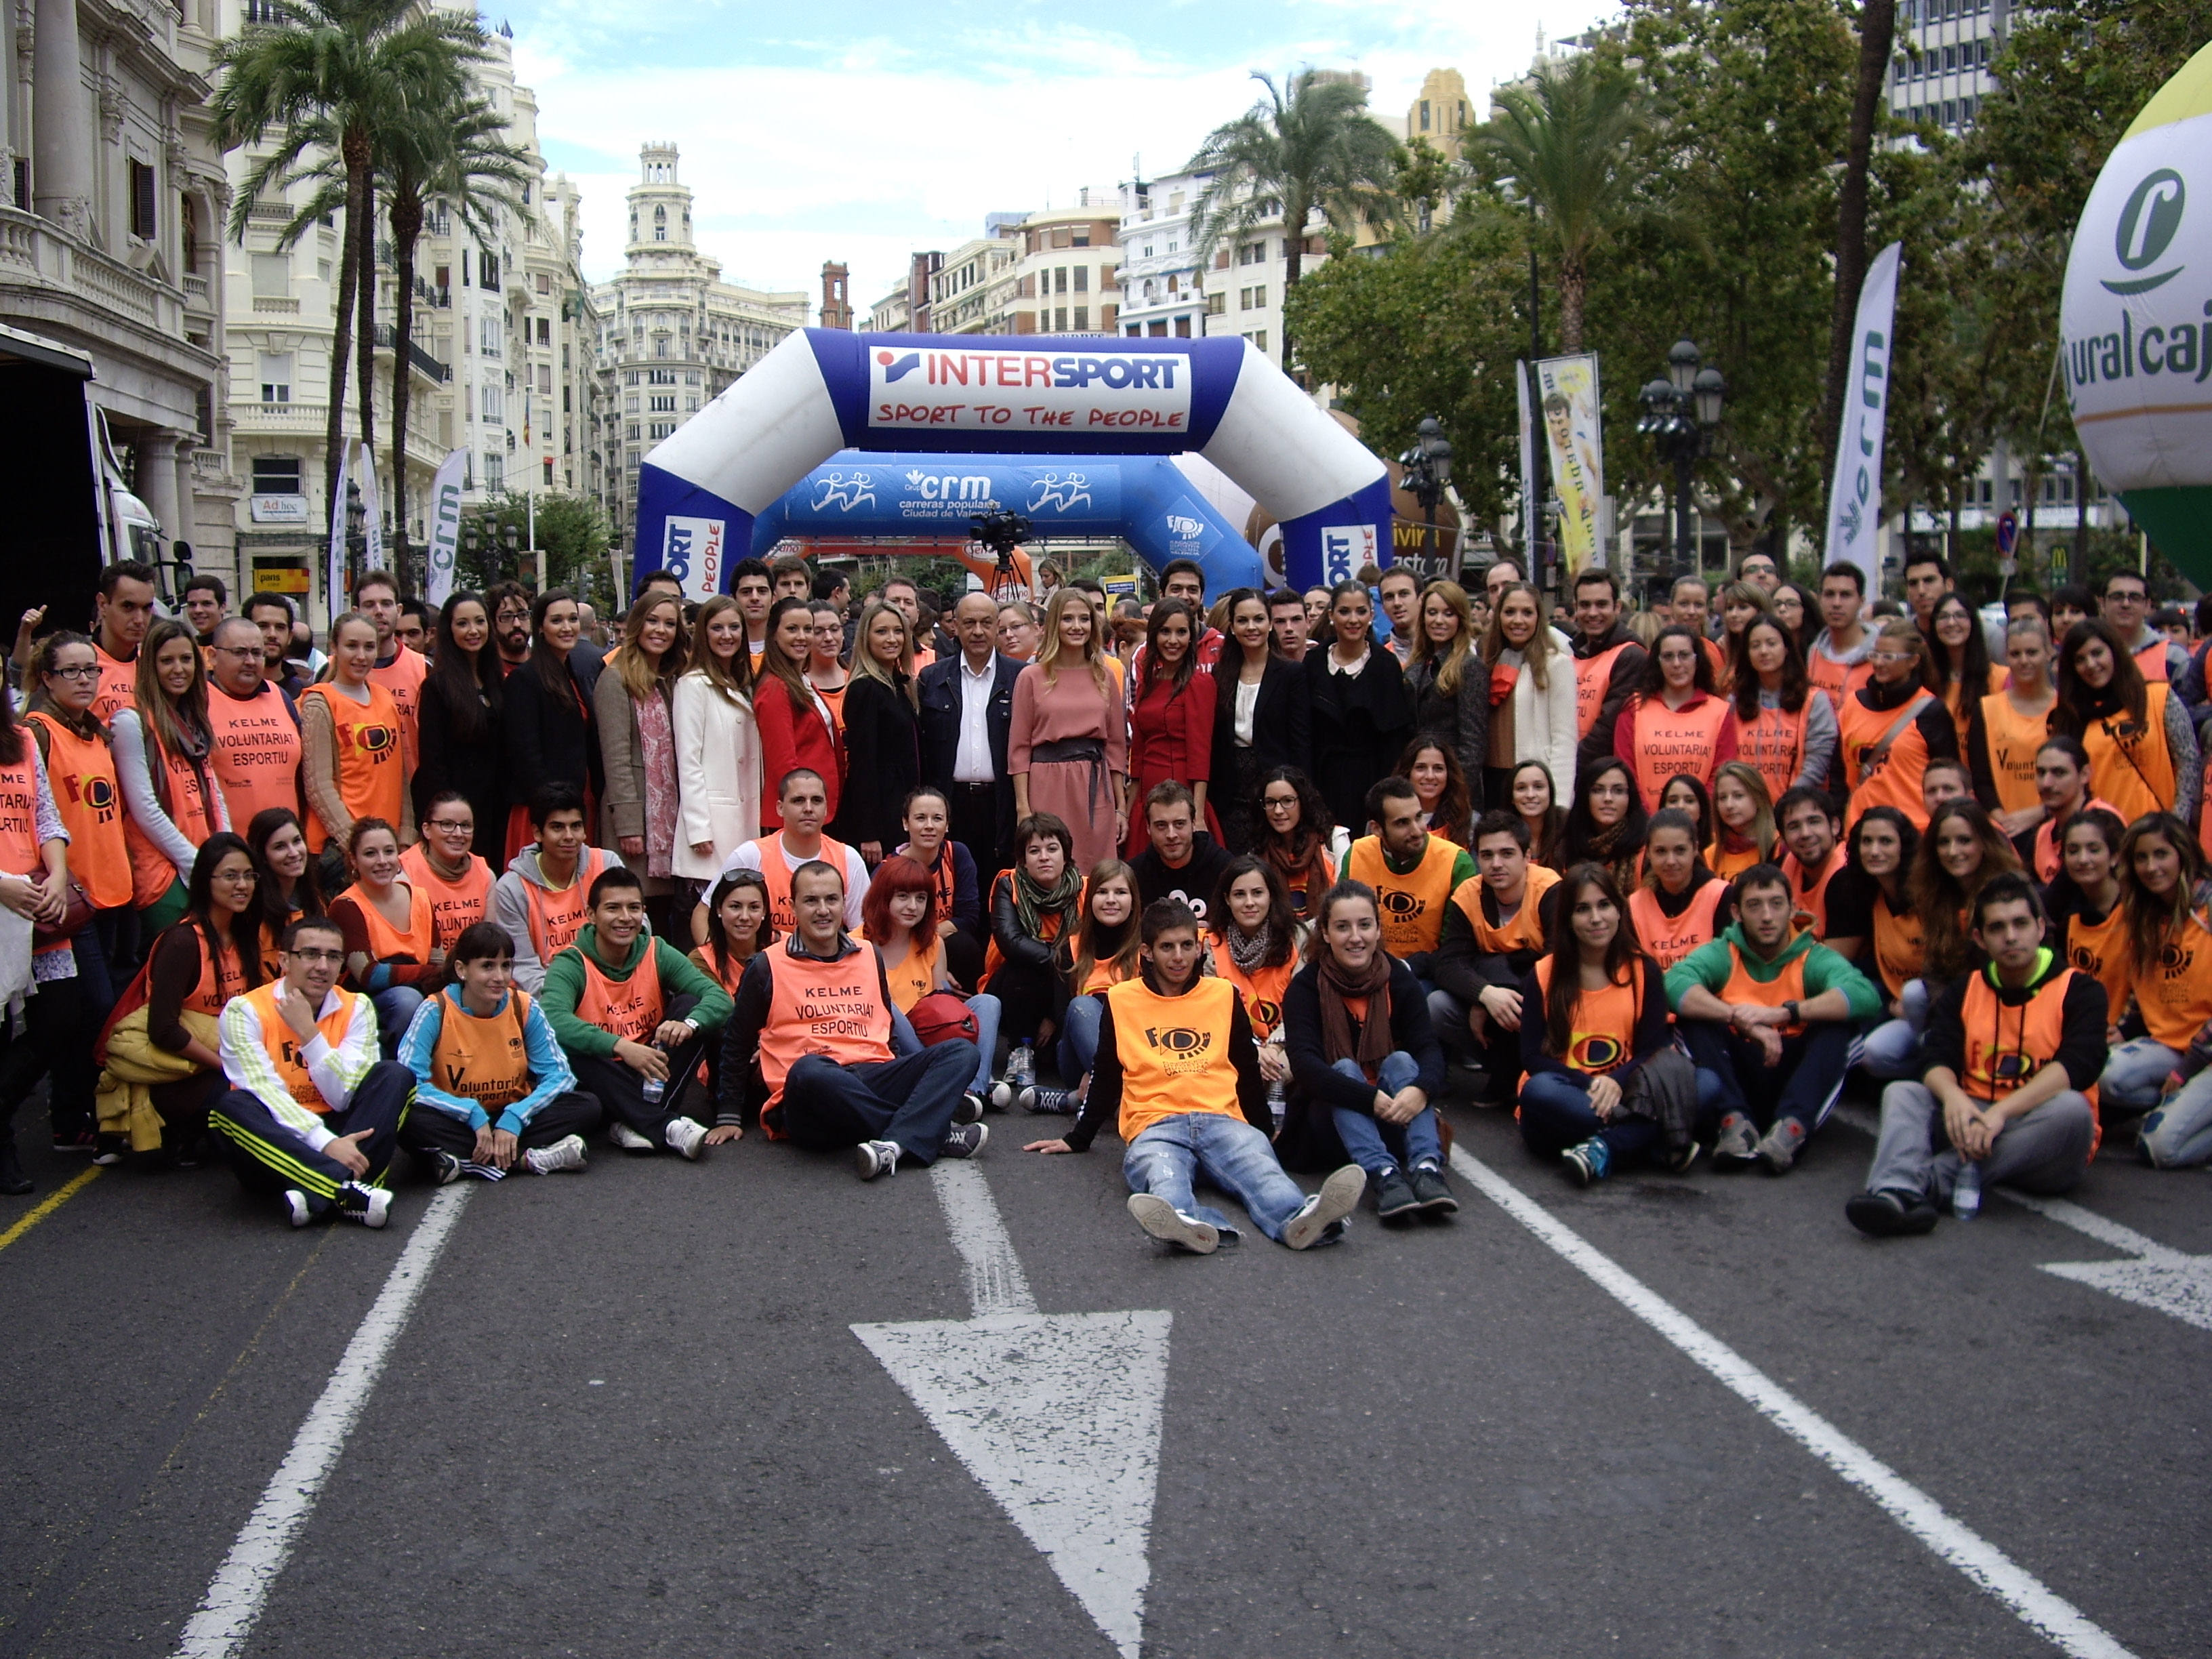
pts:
[1529, 505]
[1855, 497]
[334, 583]
[1577, 443]
[444, 528]
[372, 513]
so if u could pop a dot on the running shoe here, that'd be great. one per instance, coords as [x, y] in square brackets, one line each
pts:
[369, 1206]
[1050, 1103]
[876, 1158]
[963, 1141]
[687, 1136]
[1395, 1196]
[1586, 1164]
[566, 1154]
[1779, 1146]
[1434, 1191]
[627, 1138]
[1736, 1146]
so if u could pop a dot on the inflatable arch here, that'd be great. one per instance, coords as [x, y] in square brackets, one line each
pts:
[822, 391]
[1146, 499]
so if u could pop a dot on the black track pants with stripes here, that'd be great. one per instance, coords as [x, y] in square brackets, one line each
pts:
[269, 1158]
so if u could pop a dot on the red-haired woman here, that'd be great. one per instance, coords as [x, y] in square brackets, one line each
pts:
[899, 917]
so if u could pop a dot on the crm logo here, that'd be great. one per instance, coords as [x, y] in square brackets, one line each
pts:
[1266, 1014]
[2146, 229]
[1182, 529]
[1180, 1041]
[896, 367]
[845, 494]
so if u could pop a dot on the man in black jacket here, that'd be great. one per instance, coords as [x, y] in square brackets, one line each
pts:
[967, 714]
[1180, 860]
[1608, 662]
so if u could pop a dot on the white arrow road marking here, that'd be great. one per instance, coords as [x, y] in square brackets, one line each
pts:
[241, 1585]
[1056, 1415]
[2042, 1608]
[2159, 1278]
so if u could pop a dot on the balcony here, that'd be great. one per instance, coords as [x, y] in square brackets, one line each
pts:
[437, 373]
[36, 254]
[276, 305]
[280, 420]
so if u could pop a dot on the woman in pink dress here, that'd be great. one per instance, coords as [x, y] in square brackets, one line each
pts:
[1067, 751]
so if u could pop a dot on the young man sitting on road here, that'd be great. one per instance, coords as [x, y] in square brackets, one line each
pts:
[1495, 928]
[493, 1092]
[1178, 1073]
[635, 1015]
[838, 1065]
[1768, 1015]
[313, 1117]
[1413, 873]
[2014, 1053]
[1807, 818]
[545, 897]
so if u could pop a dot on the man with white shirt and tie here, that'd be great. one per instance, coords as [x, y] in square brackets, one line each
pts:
[967, 715]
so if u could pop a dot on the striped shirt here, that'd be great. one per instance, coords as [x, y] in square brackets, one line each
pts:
[337, 1072]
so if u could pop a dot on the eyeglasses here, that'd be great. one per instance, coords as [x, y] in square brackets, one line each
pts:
[90, 671]
[316, 958]
[246, 877]
[1280, 803]
[2125, 596]
[253, 651]
[1895, 656]
[451, 827]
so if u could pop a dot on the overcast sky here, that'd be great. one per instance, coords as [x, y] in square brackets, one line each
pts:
[865, 131]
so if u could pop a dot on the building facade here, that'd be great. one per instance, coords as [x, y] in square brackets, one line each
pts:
[111, 228]
[671, 333]
[1940, 71]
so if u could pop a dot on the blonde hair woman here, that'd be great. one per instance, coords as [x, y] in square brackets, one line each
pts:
[633, 703]
[883, 754]
[1743, 819]
[1531, 690]
[1448, 680]
[1068, 748]
[718, 752]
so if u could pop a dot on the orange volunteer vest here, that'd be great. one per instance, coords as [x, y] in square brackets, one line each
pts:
[1669, 743]
[631, 1007]
[2176, 1000]
[1774, 743]
[1592, 676]
[777, 874]
[2012, 740]
[118, 683]
[256, 758]
[555, 919]
[1174, 1052]
[403, 677]
[1411, 905]
[2100, 948]
[372, 778]
[1788, 986]
[484, 1061]
[221, 979]
[1263, 991]
[386, 941]
[151, 872]
[455, 906]
[1666, 940]
[1996, 1066]
[1899, 951]
[1602, 1035]
[1894, 780]
[2151, 659]
[81, 773]
[835, 1008]
[283, 1051]
[1525, 932]
[1811, 903]
[916, 977]
[1838, 681]
[2129, 765]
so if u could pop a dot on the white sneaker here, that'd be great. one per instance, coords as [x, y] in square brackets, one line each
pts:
[876, 1158]
[627, 1138]
[1002, 1095]
[1163, 1221]
[369, 1206]
[1338, 1198]
[296, 1207]
[688, 1136]
[566, 1154]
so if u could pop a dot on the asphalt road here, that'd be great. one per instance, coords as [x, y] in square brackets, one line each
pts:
[629, 1415]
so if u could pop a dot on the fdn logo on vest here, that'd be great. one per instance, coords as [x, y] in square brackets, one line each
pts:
[1180, 1041]
[1404, 905]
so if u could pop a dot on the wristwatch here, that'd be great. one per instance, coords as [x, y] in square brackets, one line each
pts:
[1790, 1009]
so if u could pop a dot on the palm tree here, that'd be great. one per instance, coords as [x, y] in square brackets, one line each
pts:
[1566, 140]
[328, 77]
[1309, 146]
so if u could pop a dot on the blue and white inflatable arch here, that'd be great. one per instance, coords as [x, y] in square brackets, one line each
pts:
[824, 390]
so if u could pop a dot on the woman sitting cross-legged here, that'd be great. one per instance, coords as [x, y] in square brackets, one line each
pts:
[1256, 942]
[391, 933]
[899, 918]
[1033, 906]
[1104, 950]
[1605, 1082]
[1178, 1072]
[1365, 1055]
[493, 1092]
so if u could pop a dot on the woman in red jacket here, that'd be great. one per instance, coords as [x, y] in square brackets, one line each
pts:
[1171, 719]
[797, 729]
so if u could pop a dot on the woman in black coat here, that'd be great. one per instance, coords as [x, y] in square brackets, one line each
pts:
[1362, 716]
[462, 745]
[550, 731]
[1262, 718]
[882, 748]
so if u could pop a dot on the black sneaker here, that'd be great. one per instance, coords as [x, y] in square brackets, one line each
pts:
[1050, 1103]
[1891, 1215]
[1395, 1196]
[1433, 1191]
[445, 1168]
[970, 1108]
[963, 1141]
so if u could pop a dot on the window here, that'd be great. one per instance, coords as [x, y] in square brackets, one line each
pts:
[545, 284]
[276, 377]
[1182, 328]
[1258, 339]
[1216, 304]
[488, 336]
[1082, 319]
[495, 471]
[631, 433]
[487, 270]
[1148, 253]
[691, 406]
[658, 377]
[1062, 236]
[662, 429]
[1083, 236]
[277, 475]
[545, 330]
[468, 403]
[690, 377]
[629, 378]
[142, 190]
[545, 378]
[1252, 253]
[1082, 279]
[549, 475]
[661, 348]
[664, 402]
[1060, 313]
[1060, 279]
[494, 403]
[273, 275]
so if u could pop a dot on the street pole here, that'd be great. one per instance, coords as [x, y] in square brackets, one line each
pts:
[1686, 562]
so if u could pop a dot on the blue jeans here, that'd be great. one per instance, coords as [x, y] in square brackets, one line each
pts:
[2179, 1132]
[2134, 1078]
[1892, 1049]
[395, 1007]
[1167, 1158]
[985, 1008]
[1381, 1148]
[1555, 1115]
[1078, 1037]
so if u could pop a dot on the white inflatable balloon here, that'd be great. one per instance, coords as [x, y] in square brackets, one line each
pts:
[2135, 321]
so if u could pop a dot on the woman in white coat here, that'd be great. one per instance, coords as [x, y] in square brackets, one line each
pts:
[1532, 692]
[718, 752]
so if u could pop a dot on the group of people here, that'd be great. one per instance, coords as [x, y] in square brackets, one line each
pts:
[1243, 876]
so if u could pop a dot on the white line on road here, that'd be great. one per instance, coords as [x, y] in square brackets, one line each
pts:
[241, 1585]
[2042, 1608]
[996, 1283]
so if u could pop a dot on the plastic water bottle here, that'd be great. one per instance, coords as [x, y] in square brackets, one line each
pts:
[1021, 1066]
[1966, 1195]
[1276, 1103]
[655, 1087]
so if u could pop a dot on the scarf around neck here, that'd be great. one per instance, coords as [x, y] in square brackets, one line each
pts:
[1337, 984]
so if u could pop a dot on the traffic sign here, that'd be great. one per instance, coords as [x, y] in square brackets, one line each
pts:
[2007, 533]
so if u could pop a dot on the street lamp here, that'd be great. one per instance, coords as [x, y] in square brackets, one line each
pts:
[511, 534]
[1427, 475]
[1680, 413]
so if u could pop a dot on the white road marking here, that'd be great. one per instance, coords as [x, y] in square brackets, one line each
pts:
[2160, 1278]
[241, 1585]
[2041, 1608]
[1056, 1415]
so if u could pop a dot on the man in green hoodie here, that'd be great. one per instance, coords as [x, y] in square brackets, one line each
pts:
[633, 1015]
[1769, 1016]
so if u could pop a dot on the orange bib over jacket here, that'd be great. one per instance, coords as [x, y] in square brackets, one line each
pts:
[283, 1048]
[118, 683]
[256, 757]
[81, 773]
[1602, 1034]
[1525, 932]
[1666, 940]
[372, 779]
[1832, 677]
[555, 919]
[1262, 989]
[386, 942]
[2100, 948]
[1899, 951]
[221, 978]
[1173, 1052]
[778, 874]
[1788, 986]
[2151, 659]
[483, 1062]
[1592, 676]
[1810, 902]
[2129, 764]
[916, 977]
[2007, 1045]
[455, 906]
[835, 1008]
[1894, 779]
[1774, 743]
[1671, 743]
[2176, 999]
[632, 1007]
[2012, 740]
[1411, 905]
[189, 809]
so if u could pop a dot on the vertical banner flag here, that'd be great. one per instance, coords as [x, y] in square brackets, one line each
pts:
[445, 528]
[1855, 497]
[1571, 429]
[371, 513]
[334, 582]
[1531, 508]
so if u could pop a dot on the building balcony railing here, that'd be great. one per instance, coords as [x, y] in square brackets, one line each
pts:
[424, 363]
[305, 420]
[276, 305]
[36, 252]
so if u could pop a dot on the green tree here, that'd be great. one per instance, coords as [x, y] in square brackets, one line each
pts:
[1877, 28]
[1565, 143]
[573, 539]
[1308, 147]
[328, 78]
